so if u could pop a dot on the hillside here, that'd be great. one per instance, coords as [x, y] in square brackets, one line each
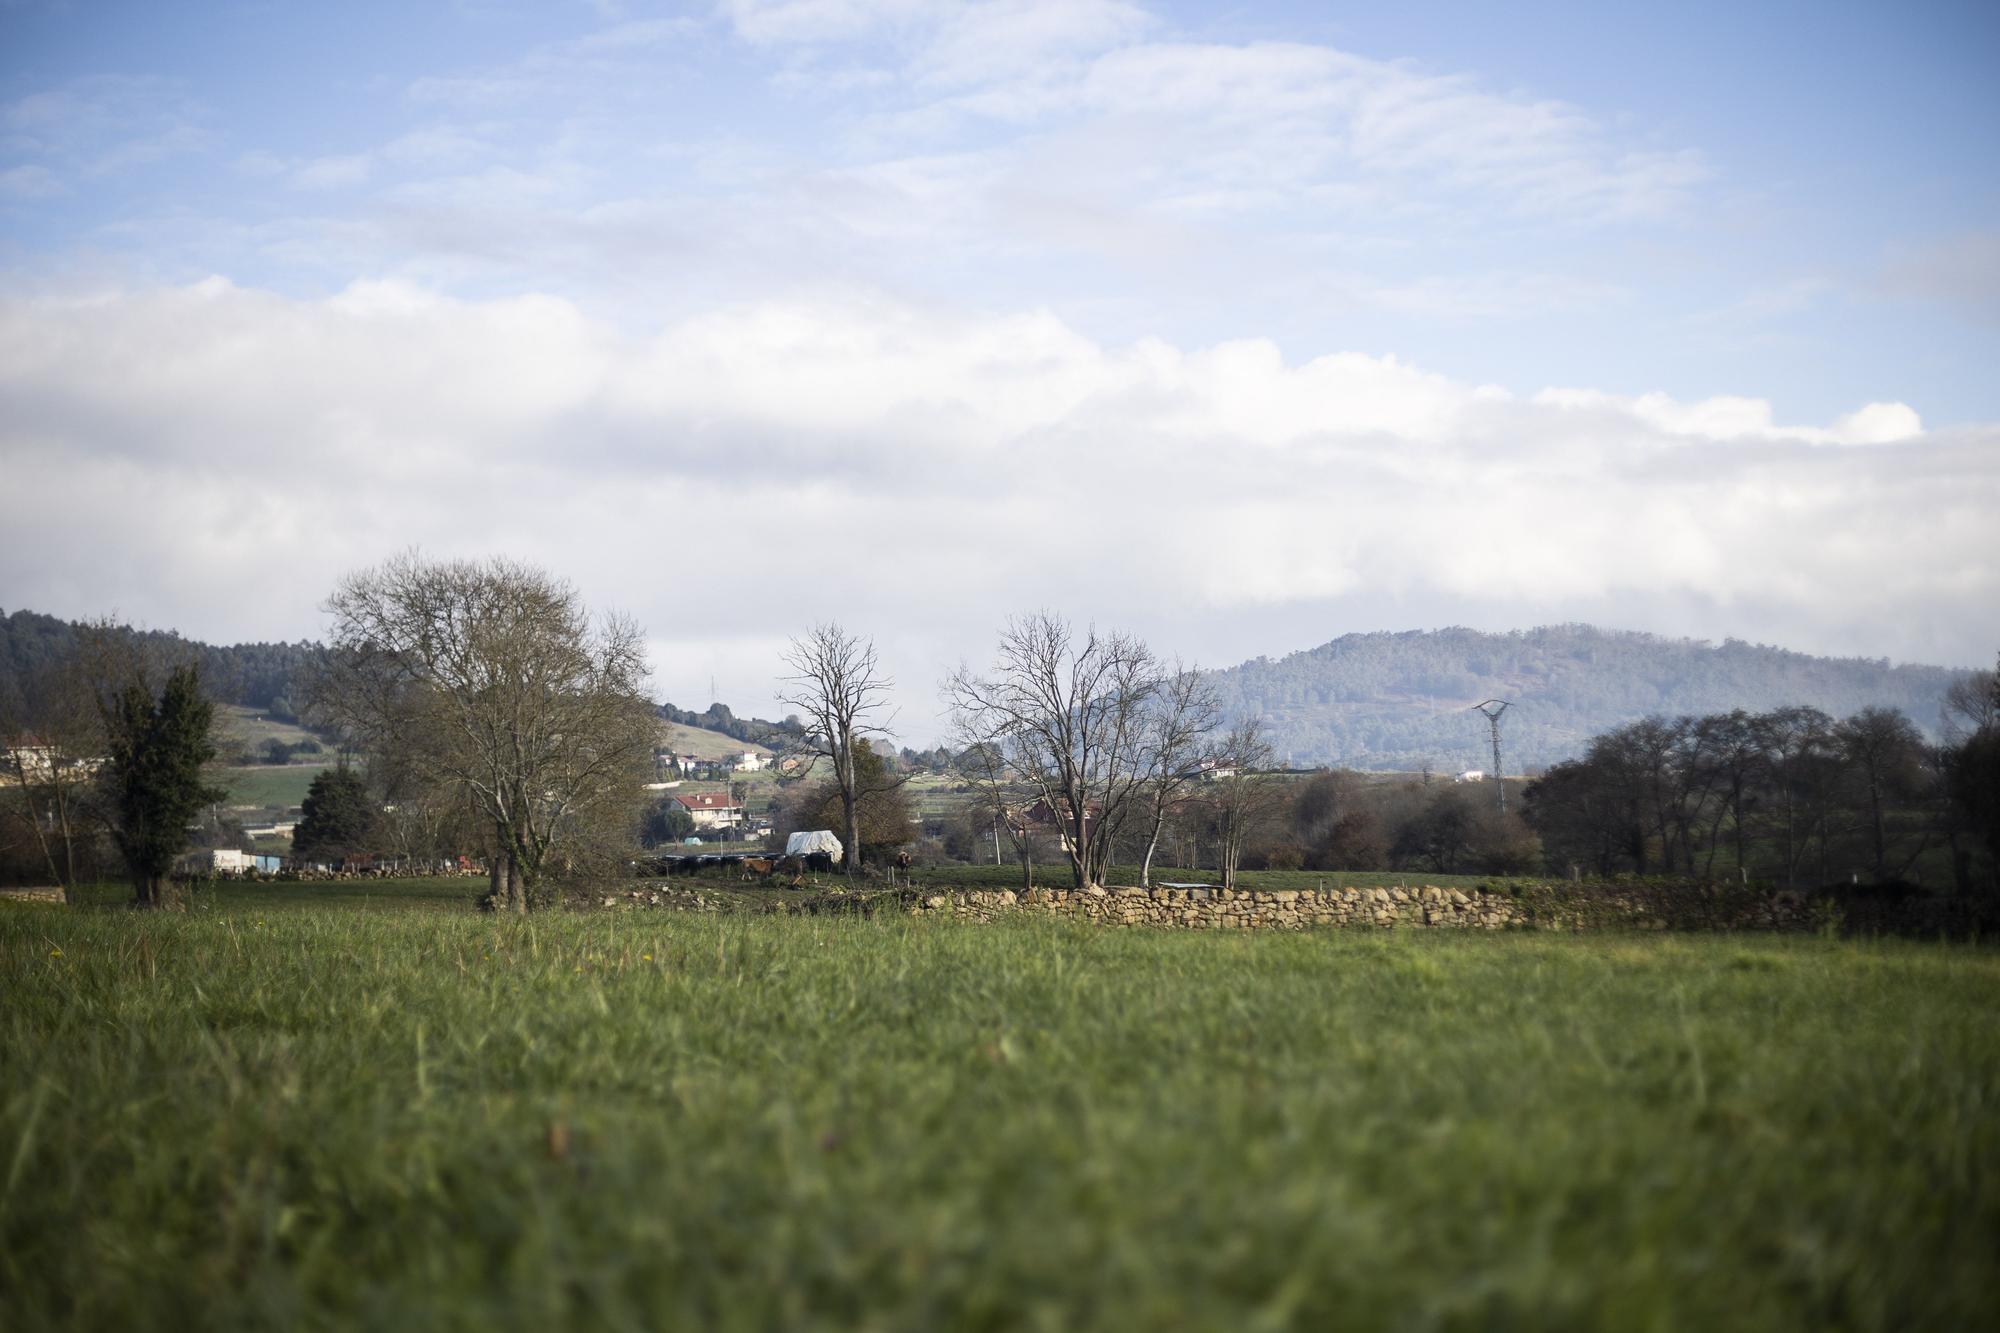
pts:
[1399, 700]
[705, 744]
[261, 676]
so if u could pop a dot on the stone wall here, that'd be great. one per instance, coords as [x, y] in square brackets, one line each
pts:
[1649, 904]
[51, 894]
[1420, 906]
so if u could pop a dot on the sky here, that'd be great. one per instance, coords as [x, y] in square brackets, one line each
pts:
[1237, 326]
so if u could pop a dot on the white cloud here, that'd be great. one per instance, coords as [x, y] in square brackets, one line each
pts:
[159, 439]
[1736, 418]
[333, 173]
[792, 21]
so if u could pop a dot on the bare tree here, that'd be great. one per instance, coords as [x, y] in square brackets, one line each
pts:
[54, 738]
[1003, 799]
[838, 689]
[1067, 717]
[1798, 747]
[1971, 706]
[488, 678]
[1246, 799]
[1175, 741]
[1884, 751]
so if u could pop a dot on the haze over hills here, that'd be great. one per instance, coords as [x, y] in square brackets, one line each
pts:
[1400, 700]
[1371, 701]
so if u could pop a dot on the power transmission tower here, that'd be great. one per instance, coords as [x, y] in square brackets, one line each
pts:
[1492, 709]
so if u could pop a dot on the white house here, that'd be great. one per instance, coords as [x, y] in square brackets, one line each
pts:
[752, 762]
[712, 809]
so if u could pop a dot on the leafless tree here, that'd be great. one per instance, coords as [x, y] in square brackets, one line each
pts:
[1066, 715]
[54, 736]
[838, 689]
[489, 678]
[1178, 727]
[1003, 799]
[1798, 747]
[1245, 799]
[1971, 706]
[1885, 752]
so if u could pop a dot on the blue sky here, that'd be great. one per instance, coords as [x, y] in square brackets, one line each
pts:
[1675, 317]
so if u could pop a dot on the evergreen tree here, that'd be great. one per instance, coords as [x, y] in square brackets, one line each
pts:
[153, 776]
[337, 817]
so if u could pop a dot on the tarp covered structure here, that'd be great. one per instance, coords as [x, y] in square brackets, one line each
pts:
[817, 841]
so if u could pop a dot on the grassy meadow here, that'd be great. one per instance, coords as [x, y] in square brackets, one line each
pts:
[363, 1105]
[270, 786]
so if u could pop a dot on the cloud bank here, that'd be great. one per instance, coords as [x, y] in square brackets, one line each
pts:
[219, 455]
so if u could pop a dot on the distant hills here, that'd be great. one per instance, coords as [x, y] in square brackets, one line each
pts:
[263, 676]
[1371, 701]
[1399, 701]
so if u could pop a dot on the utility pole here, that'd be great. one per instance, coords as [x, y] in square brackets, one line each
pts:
[1492, 709]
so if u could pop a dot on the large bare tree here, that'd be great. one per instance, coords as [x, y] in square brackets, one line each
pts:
[490, 678]
[839, 690]
[1183, 716]
[1067, 715]
[53, 733]
[1246, 799]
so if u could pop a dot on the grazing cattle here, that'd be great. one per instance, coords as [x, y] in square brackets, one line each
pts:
[758, 867]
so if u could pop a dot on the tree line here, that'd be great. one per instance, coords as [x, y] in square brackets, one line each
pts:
[1791, 795]
[500, 717]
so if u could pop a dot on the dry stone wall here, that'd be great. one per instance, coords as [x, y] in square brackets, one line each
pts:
[1401, 907]
[49, 894]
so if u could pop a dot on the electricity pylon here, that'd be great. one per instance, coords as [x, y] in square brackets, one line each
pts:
[1492, 709]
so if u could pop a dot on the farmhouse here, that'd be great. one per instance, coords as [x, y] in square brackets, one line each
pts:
[37, 760]
[1044, 816]
[752, 762]
[711, 809]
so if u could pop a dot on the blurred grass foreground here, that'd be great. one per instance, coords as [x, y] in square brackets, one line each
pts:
[376, 1109]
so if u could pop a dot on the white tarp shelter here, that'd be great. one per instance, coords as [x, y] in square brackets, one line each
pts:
[818, 840]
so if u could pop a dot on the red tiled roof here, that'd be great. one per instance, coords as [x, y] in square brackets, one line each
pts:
[707, 800]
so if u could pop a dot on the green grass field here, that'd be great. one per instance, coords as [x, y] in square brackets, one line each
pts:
[247, 726]
[363, 1105]
[273, 786]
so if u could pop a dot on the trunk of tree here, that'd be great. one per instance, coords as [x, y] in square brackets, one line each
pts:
[507, 888]
[1875, 830]
[152, 892]
[853, 836]
[1152, 844]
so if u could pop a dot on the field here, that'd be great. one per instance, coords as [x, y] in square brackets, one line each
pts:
[364, 1105]
[270, 786]
[704, 744]
[247, 726]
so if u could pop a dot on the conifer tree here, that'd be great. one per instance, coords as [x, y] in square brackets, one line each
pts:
[337, 817]
[153, 776]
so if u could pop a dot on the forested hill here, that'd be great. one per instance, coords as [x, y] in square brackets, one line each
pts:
[1398, 701]
[264, 676]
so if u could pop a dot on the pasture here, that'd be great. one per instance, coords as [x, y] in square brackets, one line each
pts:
[363, 1105]
[274, 787]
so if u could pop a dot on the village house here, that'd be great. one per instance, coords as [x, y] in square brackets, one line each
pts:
[36, 760]
[1047, 816]
[711, 809]
[752, 762]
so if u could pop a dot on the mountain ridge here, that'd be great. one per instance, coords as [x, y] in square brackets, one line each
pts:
[1389, 699]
